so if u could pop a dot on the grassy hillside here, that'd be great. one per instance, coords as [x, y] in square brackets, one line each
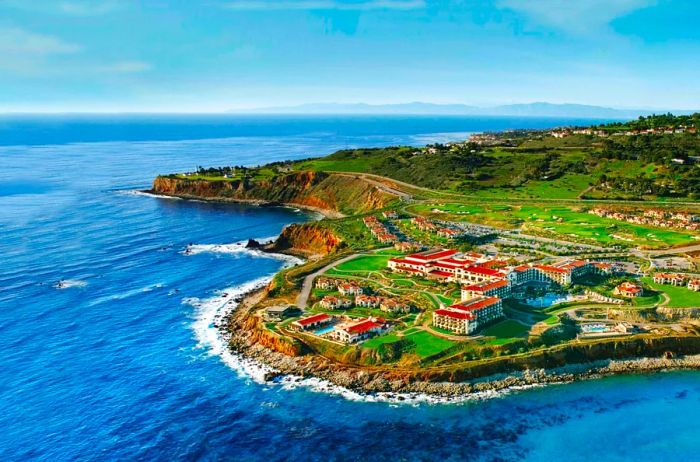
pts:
[539, 166]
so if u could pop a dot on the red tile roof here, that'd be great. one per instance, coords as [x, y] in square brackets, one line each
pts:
[482, 270]
[455, 314]
[313, 319]
[487, 286]
[433, 254]
[550, 269]
[476, 305]
[362, 326]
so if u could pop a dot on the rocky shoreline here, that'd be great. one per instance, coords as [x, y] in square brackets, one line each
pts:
[399, 384]
[324, 213]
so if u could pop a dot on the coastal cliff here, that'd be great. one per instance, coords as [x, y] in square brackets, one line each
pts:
[333, 195]
[305, 239]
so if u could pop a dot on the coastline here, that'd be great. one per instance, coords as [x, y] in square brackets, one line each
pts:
[325, 213]
[376, 384]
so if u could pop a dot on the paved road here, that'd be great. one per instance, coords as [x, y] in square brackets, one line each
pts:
[673, 251]
[401, 194]
[308, 283]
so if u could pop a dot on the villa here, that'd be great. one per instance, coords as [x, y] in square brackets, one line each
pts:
[392, 306]
[629, 289]
[390, 214]
[326, 284]
[312, 321]
[694, 285]
[359, 330]
[668, 278]
[350, 288]
[468, 317]
[330, 302]
[368, 301]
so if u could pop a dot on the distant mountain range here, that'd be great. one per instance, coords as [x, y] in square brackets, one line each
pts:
[524, 110]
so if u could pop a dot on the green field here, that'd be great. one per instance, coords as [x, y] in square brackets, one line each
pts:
[424, 344]
[681, 297]
[361, 264]
[427, 344]
[506, 329]
[574, 223]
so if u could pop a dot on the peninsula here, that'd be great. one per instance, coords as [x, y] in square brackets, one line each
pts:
[507, 259]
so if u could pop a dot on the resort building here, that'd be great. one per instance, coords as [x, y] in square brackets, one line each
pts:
[312, 321]
[694, 285]
[330, 302]
[350, 288]
[468, 317]
[358, 331]
[368, 301]
[668, 278]
[280, 312]
[392, 306]
[326, 284]
[407, 247]
[390, 214]
[553, 274]
[448, 233]
[499, 288]
[629, 289]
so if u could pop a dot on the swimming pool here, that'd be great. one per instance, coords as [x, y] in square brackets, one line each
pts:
[324, 330]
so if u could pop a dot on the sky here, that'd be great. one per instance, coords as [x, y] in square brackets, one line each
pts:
[216, 55]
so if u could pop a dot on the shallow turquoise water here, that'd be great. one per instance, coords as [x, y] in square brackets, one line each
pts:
[123, 363]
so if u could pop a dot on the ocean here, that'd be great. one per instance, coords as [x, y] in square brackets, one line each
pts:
[107, 345]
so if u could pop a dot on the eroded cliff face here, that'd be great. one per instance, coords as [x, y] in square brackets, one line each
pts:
[306, 239]
[316, 190]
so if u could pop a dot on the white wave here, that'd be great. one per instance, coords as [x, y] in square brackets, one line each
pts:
[208, 315]
[211, 312]
[69, 283]
[138, 192]
[239, 248]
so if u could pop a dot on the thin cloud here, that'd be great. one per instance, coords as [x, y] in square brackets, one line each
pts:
[575, 16]
[17, 41]
[253, 5]
[126, 67]
[83, 8]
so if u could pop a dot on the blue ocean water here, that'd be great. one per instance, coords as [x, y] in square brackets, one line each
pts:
[122, 361]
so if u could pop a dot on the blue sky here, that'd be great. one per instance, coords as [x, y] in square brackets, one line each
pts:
[213, 55]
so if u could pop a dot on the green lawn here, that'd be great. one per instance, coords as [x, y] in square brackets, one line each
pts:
[364, 263]
[506, 329]
[427, 344]
[376, 342]
[680, 297]
[573, 222]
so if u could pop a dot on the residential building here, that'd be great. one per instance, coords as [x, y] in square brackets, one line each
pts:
[368, 301]
[468, 317]
[670, 278]
[498, 288]
[326, 284]
[359, 330]
[312, 321]
[280, 312]
[350, 288]
[629, 289]
[330, 302]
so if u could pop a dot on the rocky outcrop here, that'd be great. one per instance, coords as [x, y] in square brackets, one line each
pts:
[334, 195]
[305, 239]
